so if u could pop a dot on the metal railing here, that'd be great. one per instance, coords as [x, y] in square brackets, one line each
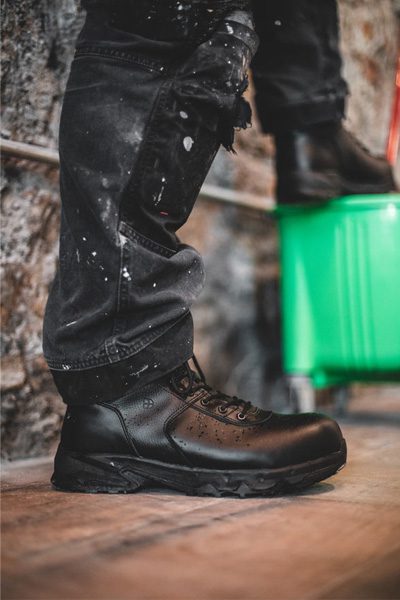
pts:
[208, 192]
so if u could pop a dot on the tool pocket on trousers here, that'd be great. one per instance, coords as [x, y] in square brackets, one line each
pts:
[157, 286]
[215, 74]
[198, 108]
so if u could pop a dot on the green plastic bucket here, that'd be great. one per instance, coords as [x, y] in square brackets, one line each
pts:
[340, 289]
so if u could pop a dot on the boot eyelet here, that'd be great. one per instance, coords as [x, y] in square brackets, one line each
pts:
[204, 402]
[222, 410]
[241, 416]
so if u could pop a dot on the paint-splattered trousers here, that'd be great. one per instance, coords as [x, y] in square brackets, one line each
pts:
[150, 98]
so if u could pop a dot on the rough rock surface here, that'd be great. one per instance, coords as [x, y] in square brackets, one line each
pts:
[237, 316]
[38, 38]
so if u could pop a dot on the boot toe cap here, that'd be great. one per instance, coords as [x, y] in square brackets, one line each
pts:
[304, 438]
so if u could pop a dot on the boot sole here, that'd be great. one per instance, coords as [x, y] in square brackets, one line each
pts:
[323, 188]
[115, 474]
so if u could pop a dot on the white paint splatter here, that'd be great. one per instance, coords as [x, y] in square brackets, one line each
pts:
[188, 143]
[183, 114]
[122, 239]
[229, 29]
[126, 274]
[154, 284]
[71, 323]
[94, 253]
[140, 370]
[84, 239]
[158, 198]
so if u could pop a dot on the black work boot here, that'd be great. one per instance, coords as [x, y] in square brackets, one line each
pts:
[324, 162]
[178, 433]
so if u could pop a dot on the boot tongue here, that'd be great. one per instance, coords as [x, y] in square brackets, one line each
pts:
[181, 376]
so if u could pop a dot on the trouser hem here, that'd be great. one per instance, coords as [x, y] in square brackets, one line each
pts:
[298, 116]
[105, 357]
[111, 381]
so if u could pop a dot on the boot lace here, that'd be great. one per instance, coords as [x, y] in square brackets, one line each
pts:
[186, 382]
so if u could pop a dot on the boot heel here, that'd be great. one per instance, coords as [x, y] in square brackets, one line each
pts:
[93, 474]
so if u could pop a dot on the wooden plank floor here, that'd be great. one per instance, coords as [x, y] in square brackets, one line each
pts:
[337, 540]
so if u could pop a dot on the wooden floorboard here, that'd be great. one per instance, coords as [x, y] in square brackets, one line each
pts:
[339, 540]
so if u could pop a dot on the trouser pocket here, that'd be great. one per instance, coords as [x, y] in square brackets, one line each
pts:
[198, 108]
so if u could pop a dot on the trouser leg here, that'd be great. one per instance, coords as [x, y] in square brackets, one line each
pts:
[141, 122]
[297, 68]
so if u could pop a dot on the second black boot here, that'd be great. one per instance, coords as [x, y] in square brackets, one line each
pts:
[325, 161]
[180, 434]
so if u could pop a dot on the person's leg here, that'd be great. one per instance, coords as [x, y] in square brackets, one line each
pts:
[297, 68]
[141, 122]
[300, 98]
[142, 119]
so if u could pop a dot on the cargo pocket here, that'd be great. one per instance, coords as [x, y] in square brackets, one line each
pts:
[198, 107]
[216, 74]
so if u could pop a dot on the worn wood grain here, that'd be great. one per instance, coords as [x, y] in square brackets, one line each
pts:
[337, 540]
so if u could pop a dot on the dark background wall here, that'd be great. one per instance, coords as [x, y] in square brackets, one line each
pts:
[237, 316]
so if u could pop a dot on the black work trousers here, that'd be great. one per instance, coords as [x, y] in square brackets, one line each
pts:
[297, 68]
[155, 88]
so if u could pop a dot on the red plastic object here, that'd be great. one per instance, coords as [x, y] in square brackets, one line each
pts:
[394, 132]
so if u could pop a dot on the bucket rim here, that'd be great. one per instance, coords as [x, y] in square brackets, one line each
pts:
[359, 202]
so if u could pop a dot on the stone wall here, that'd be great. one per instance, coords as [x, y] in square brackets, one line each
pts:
[38, 39]
[237, 317]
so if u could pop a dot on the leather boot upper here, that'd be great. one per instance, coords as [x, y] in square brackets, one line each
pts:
[181, 420]
[326, 161]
